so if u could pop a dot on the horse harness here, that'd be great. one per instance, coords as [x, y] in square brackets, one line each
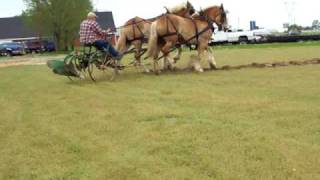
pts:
[181, 39]
[135, 38]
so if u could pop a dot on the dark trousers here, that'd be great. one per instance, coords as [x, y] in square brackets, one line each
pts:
[107, 47]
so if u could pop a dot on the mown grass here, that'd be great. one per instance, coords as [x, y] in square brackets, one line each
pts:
[243, 124]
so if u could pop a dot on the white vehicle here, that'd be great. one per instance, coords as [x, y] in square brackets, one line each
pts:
[239, 36]
[263, 32]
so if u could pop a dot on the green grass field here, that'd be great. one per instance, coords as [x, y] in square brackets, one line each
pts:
[242, 124]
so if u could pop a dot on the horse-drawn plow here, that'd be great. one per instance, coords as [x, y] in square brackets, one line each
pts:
[165, 34]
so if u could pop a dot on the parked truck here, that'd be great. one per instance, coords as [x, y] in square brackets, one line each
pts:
[234, 37]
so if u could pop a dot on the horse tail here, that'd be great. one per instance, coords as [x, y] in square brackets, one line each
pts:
[153, 41]
[122, 41]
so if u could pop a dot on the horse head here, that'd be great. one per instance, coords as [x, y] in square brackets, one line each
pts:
[223, 19]
[218, 15]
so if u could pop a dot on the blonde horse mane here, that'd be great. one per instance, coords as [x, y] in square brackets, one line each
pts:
[210, 7]
[178, 7]
[197, 14]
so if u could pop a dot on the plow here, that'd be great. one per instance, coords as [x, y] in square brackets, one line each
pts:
[180, 28]
[89, 63]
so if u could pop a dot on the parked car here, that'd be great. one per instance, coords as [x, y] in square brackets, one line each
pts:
[34, 47]
[12, 48]
[2, 50]
[48, 46]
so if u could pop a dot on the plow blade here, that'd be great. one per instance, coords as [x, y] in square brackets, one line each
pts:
[60, 68]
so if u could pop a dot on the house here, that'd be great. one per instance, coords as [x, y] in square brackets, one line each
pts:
[14, 28]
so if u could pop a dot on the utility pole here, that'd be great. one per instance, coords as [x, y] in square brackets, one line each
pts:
[95, 5]
[290, 8]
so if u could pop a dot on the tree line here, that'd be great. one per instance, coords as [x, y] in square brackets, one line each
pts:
[59, 19]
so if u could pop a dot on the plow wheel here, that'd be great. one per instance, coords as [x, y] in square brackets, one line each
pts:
[98, 69]
[77, 66]
[93, 71]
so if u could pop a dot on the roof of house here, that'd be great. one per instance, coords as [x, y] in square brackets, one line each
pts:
[15, 28]
[105, 19]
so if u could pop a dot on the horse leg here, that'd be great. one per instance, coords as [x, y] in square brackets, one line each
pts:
[192, 59]
[171, 62]
[178, 55]
[137, 47]
[197, 65]
[165, 63]
[156, 69]
[168, 63]
[168, 60]
[211, 60]
[137, 56]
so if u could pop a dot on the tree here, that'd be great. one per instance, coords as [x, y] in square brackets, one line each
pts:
[316, 24]
[59, 19]
[295, 29]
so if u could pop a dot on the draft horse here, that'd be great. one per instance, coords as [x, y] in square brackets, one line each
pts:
[136, 31]
[170, 30]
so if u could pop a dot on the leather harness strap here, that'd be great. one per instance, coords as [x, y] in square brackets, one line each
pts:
[197, 33]
[196, 30]
[168, 20]
[209, 27]
[186, 42]
[135, 24]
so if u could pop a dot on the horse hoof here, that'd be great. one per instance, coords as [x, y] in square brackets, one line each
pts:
[201, 70]
[213, 67]
[157, 72]
[173, 68]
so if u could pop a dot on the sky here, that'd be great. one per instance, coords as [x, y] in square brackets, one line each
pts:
[270, 14]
